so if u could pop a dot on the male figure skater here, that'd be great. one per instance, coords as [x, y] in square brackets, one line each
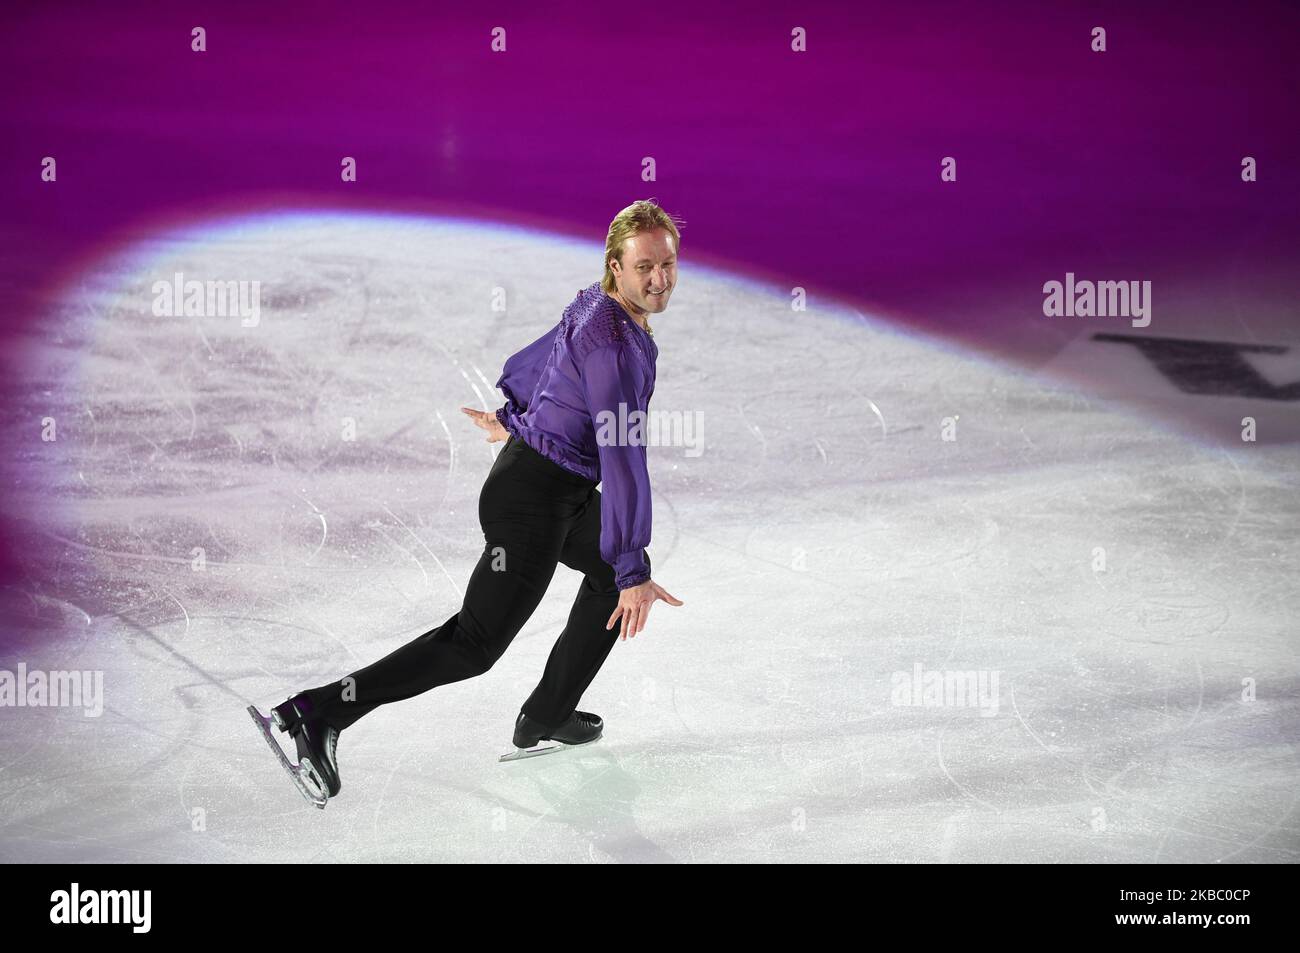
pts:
[538, 507]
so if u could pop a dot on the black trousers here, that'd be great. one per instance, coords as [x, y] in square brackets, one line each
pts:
[534, 515]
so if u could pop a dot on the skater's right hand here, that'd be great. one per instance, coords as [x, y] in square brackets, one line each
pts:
[634, 606]
[487, 421]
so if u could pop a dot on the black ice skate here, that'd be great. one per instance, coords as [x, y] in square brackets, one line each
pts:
[316, 775]
[581, 728]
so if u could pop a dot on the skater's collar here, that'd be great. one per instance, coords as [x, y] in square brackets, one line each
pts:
[647, 329]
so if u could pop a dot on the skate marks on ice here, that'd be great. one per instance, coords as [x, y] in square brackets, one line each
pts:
[233, 513]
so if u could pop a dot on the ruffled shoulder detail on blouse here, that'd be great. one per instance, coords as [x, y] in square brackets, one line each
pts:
[598, 321]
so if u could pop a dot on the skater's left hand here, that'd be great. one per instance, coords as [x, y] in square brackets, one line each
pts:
[634, 606]
[487, 420]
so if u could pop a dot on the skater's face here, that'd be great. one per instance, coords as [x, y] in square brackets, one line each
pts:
[646, 272]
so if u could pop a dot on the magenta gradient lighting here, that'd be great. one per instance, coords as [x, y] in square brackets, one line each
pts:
[823, 165]
[820, 168]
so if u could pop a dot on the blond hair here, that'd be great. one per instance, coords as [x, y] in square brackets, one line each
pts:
[641, 216]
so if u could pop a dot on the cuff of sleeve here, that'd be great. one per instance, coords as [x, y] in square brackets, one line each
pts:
[631, 569]
[503, 418]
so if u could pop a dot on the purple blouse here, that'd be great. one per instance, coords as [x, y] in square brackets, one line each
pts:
[595, 359]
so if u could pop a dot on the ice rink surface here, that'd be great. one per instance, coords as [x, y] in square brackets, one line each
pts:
[1124, 593]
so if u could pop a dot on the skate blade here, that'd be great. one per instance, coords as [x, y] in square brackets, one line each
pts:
[312, 795]
[548, 748]
[520, 753]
